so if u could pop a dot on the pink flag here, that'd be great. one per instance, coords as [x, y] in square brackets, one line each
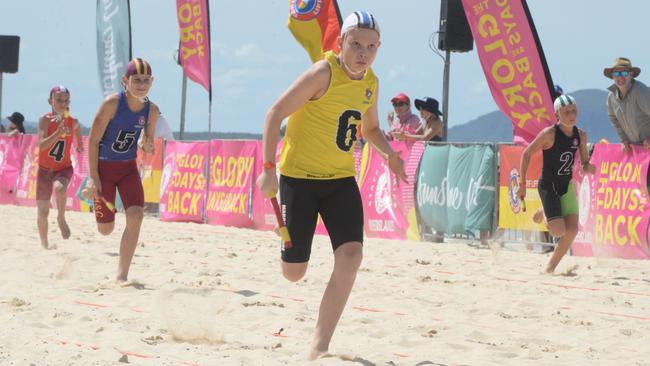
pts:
[514, 64]
[194, 53]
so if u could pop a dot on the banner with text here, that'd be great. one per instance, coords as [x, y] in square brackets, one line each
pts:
[182, 189]
[113, 43]
[26, 187]
[383, 211]
[230, 191]
[150, 167]
[194, 52]
[614, 219]
[513, 62]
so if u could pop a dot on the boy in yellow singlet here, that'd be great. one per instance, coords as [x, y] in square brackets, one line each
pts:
[326, 106]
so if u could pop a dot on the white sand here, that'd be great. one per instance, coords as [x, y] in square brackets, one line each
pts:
[210, 295]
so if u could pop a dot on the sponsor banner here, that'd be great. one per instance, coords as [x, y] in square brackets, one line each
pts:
[458, 197]
[614, 219]
[383, 212]
[150, 167]
[11, 164]
[113, 43]
[182, 189]
[513, 62]
[80, 166]
[231, 183]
[194, 28]
[511, 209]
[26, 185]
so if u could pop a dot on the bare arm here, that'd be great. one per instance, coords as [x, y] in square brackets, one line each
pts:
[312, 84]
[45, 141]
[584, 154]
[544, 140]
[77, 133]
[373, 134]
[150, 129]
[104, 115]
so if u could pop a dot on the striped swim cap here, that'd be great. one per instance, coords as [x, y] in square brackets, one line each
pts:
[137, 66]
[360, 19]
[59, 89]
[563, 101]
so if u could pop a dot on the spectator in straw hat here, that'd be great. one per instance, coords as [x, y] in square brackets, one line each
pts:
[628, 104]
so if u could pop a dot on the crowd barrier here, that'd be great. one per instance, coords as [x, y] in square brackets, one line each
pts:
[451, 188]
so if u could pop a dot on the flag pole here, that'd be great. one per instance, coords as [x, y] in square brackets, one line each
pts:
[183, 102]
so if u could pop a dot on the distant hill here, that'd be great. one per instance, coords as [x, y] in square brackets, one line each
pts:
[495, 127]
[490, 127]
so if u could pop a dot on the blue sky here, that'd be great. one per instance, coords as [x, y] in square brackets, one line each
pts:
[254, 57]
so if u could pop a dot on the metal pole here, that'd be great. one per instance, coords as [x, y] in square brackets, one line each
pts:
[183, 100]
[445, 95]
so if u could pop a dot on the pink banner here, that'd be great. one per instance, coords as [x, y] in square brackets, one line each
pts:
[231, 183]
[614, 213]
[26, 186]
[182, 188]
[194, 27]
[383, 210]
[80, 165]
[512, 63]
[11, 164]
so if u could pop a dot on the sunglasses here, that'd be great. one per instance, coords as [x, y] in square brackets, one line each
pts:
[398, 104]
[620, 73]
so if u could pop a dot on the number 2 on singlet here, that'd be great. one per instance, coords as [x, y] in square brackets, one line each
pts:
[567, 160]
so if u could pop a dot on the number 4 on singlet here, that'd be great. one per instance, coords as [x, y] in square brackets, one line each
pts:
[57, 150]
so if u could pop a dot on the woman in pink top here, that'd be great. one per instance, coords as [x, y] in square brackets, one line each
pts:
[401, 120]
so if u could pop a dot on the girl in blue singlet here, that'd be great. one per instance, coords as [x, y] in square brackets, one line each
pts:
[112, 149]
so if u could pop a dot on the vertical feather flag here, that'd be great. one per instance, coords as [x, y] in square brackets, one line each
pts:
[514, 64]
[113, 43]
[194, 27]
[315, 24]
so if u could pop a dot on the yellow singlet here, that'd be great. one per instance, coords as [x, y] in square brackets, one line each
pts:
[320, 136]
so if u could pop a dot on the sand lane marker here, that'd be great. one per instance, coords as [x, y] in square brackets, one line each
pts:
[510, 279]
[90, 304]
[365, 309]
[401, 355]
[622, 315]
[571, 286]
[632, 293]
[296, 299]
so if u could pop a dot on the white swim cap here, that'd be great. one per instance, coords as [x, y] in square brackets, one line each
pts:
[359, 19]
[563, 101]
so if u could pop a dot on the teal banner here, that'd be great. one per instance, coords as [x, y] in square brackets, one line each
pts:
[456, 188]
[113, 43]
[431, 201]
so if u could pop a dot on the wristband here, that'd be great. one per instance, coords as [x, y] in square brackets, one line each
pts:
[269, 165]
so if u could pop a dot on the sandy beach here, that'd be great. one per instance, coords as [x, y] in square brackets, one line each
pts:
[210, 295]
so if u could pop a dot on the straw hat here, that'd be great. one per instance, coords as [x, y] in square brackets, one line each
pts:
[622, 63]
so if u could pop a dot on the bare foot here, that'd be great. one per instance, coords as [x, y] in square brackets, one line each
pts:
[538, 216]
[45, 245]
[65, 229]
[316, 354]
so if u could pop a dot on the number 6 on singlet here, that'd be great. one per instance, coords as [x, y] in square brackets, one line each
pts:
[124, 141]
[342, 140]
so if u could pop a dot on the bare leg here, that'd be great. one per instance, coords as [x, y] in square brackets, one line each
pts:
[61, 191]
[563, 245]
[129, 242]
[347, 259]
[43, 211]
[538, 216]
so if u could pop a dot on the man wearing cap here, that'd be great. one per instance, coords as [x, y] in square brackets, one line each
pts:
[15, 125]
[112, 148]
[628, 104]
[401, 120]
[55, 137]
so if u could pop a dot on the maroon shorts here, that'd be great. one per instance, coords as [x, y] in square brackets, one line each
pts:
[123, 176]
[46, 178]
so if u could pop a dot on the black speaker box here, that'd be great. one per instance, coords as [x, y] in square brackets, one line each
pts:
[455, 34]
[9, 46]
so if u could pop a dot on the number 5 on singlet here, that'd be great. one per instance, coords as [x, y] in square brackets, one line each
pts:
[124, 141]
[346, 133]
